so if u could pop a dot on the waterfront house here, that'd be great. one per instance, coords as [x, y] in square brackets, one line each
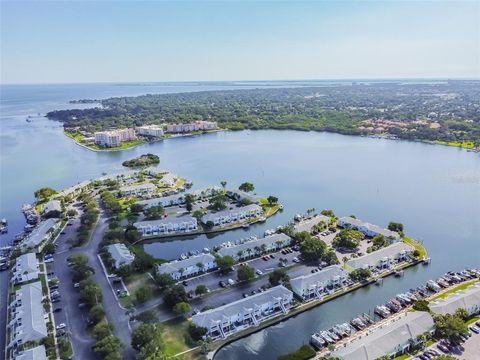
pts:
[368, 229]
[235, 215]
[256, 247]
[113, 138]
[241, 314]
[383, 258]
[120, 255]
[26, 268]
[188, 267]
[27, 315]
[140, 189]
[150, 130]
[40, 234]
[316, 285]
[36, 353]
[239, 195]
[393, 338]
[164, 201]
[308, 224]
[468, 299]
[168, 225]
[52, 208]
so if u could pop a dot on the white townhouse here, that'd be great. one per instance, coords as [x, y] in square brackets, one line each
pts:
[241, 314]
[308, 224]
[316, 285]
[396, 338]
[36, 353]
[164, 201]
[206, 193]
[234, 215]
[188, 267]
[140, 189]
[27, 315]
[239, 195]
[256, 247]
[468, 299]
[383, 258]
[120, 255]
[367, 228]
[168, 225]
[26, 268]
[40, 234]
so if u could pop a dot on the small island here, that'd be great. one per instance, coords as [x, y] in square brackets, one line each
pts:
[144, 160]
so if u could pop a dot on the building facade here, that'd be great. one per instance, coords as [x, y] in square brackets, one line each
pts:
[237, 214]
[241, 314]
[26, 268]
[141, 189]
[189, 127]
[113, 138]
[120, 255]
[185, 268]
[383, 258]
[367, 228]
[150, 130]
[316, 285]
[256, 247]
[168, 225]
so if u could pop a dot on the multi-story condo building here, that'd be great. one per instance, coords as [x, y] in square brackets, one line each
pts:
[234, 215]
[256, 247]
[188, 267]
[168, 225]
[241, 314]
[189, 127]
[36, 353]
[113, 138]
[40, 234]
[140, 189]
[383, 258]
[367, 228]
[120, 255]
[316, 285]
[26, 268]
[468, 299]
[150, 130]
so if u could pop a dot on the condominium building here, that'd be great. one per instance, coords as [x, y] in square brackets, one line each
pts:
[150, 130]
[256, 247]
[468, 299]
[168, 225]
[113, 138]
[239, 195]
[120, 255]
[188, 267]
[53, 208]
[367, 228]
[164, 201]
[189, 127]
[36, 353]
[237, 214]
[391, 339]
[241, 314]
[308, 223]
[140, 189]
[383, 258]
[27, 315]
[319, 284]
[26, 268]
[40, 234]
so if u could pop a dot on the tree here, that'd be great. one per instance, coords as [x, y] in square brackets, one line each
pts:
[154, 212]
[272, 200]
[329, 213]
[312, 249]
[247, 187]
[108, 345]
[143, 261]
[44, 194]
[245, 273]
[421, 305]
[136, 208]
[102, 330]
[132, 235]
[124, 271]
[163, 280]
[348, 239]
[462, 313]
[174, 294]
[49, 248]
[201, 289]
[90, 292]
[143, 294]
[181, 308]
[189, 199]
[360, 274]
[96, 314]
[225, 263]
[71, 212]
[197, 214]
[395, 226]
[330, 257]
[143, 335]
[223, 183]
[450, 326]
[196, 332]
[278, 276]
[218, 202]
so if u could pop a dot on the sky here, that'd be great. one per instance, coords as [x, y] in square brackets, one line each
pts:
[123, 41]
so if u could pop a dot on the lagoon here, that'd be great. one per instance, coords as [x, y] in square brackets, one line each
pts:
[434, 190]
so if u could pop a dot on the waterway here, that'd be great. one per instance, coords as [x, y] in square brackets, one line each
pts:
[433, 190]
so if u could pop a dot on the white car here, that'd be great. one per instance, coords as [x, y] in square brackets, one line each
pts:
[258, 272]
[295, 260]
[49, 260]
[76, 285]
[61, 326]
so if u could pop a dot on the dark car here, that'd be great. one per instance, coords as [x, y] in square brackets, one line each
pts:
[57, 310]
[184, 283]
[222, 284]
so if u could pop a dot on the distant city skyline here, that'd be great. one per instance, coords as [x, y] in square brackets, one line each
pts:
[134, 41]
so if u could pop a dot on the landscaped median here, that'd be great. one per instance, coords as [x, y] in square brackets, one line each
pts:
[422, 252]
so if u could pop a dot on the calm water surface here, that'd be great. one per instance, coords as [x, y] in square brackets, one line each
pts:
[433, 190]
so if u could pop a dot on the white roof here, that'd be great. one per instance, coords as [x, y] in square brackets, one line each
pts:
[36, 353]
[466, 299]
[379, 230]
[321, 277]
[351, 220]
[120, 253]
[39, 233]
[308, 224]
[227, 212]
[206, 318]
[387, 339]
[31, 312]
[26, 267]
[167, 220]
[148, 186]
[175, 266]
[268, 240]
[374, 257]
[161, 200]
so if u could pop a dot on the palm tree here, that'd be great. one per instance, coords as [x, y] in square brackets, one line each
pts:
[181, 271]
[279, 243]
[257, 249]
[224, 184]
[200, 267]
[263, 248]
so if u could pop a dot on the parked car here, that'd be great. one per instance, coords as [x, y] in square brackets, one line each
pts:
[184, 283]
[76, 285]
[55, 300]
[245, 295]
[61, 326]
[475, 329]
[70, 263]
[222, 284]
[295, 260]
[49, 260]
[231, 282]
[57, 310]
[259, 272]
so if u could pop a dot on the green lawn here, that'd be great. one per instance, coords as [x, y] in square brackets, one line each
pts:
[462, 144]
[176, 337]
[462, 286]
[123, 146]
[416, 245]
[472, 320]
[268, 209]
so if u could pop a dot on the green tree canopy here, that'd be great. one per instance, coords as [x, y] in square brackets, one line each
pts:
[225, 263]
[313, 249]
[348, 239]
[245, 273]
[247, 187]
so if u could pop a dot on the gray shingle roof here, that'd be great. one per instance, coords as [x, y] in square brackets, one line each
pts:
[466, 299]
[350, 220]
[39, 233]
[307, 225]
[52, 205]
[175, 266]
[268, 240]
[120, 254]
[167, 220]
[26, 267]
[386, 340]
[36, 353]
[235, 210]
[374, 257]
[322, 277]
